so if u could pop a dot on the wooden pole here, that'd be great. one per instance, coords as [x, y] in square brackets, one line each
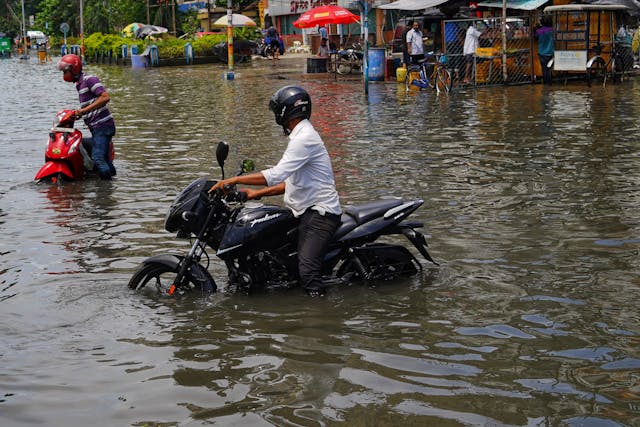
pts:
[173, 17]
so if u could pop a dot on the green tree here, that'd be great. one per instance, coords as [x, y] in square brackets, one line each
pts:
[52, 13]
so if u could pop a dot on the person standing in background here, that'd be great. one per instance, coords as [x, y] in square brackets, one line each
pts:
[544, 35]
[471, 42]
[415, 43]
[405, 47]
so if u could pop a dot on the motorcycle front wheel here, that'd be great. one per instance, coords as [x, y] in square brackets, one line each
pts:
[159, 277]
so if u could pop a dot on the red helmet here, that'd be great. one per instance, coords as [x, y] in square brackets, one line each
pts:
[71, 62]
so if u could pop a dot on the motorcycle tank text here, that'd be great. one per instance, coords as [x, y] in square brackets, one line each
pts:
[257, 227]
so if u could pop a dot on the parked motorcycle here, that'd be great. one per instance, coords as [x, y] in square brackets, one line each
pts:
[350, 59]
[258, 242]
[68, 155]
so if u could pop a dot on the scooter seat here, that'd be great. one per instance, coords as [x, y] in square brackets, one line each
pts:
[363, 213]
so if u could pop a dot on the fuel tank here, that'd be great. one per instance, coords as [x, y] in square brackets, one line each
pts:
[258, 227]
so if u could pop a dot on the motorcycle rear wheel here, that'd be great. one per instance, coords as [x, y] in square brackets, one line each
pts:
[159, 277]
[380, 262]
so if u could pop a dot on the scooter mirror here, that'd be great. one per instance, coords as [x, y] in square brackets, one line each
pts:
[222, 151]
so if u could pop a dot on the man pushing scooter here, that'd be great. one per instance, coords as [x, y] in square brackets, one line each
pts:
[93, 108]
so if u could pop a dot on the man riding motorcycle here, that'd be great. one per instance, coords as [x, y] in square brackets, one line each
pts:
[305, 176]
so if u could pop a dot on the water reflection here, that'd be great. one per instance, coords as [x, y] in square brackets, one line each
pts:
[531, 198]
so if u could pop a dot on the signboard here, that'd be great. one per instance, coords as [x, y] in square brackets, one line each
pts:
[297, 7]
[570, 60]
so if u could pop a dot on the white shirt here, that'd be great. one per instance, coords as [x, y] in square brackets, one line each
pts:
[414, 38]
[306, 170]
[471, 41]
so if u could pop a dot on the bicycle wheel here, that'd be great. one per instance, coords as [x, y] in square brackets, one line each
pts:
[344, 66]
[616, 75]
[331, 65]
[407, 80]
[432, 77]
[444, 81]
[597, 72]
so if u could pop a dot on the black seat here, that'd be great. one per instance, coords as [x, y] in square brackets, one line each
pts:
[347, 223]
[363, 213]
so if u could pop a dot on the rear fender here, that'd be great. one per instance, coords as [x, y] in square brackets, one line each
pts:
[197, 273]
[418, 240]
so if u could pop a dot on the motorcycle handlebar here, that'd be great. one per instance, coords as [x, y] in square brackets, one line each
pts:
[229, 193]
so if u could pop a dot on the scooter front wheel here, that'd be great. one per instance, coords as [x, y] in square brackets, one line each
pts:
[160, 277]
[57, 178]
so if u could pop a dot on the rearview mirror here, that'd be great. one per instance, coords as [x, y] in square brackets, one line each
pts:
[222, 151]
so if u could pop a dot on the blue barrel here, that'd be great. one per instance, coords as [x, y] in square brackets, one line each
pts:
[139, 61]
[64, 49]
[134, 49]
[124, 50]
[154, 57]
[376, 63]
[188, 53]
[75, 49]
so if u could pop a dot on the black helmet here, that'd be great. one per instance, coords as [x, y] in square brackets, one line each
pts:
[288, 103]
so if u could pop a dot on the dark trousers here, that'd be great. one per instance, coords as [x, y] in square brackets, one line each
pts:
[101, 151]
[415, 59]
[546, 71]
[314, 235]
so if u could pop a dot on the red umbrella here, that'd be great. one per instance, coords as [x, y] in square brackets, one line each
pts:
[325, 15]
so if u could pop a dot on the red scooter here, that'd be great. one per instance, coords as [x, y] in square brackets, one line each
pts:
[68, 155]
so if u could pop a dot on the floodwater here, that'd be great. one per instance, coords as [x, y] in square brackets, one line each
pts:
[531, 208]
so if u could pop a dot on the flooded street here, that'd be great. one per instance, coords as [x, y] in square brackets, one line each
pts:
[532, 199]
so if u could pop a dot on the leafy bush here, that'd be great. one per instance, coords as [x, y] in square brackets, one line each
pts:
[98, 43]
[168, 47]
[204, 45]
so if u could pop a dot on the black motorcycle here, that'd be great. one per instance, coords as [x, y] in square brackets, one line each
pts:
[258, 242]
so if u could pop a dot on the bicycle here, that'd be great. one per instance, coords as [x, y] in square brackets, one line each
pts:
[616, 68]
[430, 72]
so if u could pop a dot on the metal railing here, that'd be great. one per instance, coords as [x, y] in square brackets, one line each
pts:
[487, 65]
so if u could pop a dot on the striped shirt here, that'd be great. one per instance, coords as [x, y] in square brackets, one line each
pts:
[89, 89]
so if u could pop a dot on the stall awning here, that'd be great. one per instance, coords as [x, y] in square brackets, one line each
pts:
[411, 4]
[515, 4]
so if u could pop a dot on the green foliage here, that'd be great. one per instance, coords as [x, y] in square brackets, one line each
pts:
[170, 48]
[204, 45]
[55, 12]
[190, 22]
[99, 15]
[98, 43]
[247, 33]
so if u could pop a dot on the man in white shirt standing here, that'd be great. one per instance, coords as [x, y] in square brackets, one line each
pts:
[414, 43]
[471, 43]
[305, 176]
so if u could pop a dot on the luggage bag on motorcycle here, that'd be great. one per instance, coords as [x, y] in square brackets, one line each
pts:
[189, 209]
